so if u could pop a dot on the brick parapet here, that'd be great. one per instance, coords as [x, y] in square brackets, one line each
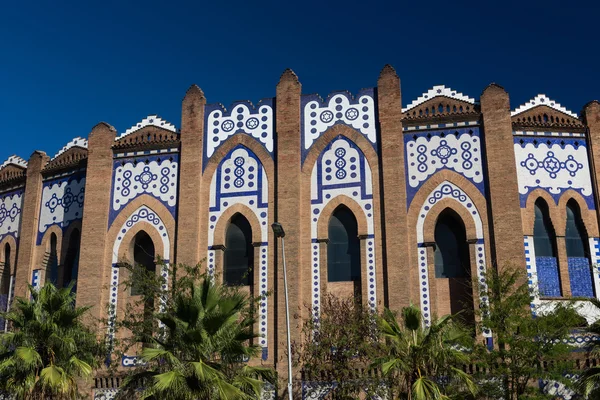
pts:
[29, 222]
[289, 211]
[189, 238]
[94, 266]
[503, 193]
[395, 265]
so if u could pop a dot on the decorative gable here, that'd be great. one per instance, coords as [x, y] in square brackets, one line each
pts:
[151, 132]
[543, 112]
[441, 102]
[14, 160]
[73, 154]
[12, 170]
[150, 120]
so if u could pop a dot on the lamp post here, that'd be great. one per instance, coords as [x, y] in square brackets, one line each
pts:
[280, 233]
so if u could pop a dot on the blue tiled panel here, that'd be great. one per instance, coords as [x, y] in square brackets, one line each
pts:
[580, 276]
[548, 280]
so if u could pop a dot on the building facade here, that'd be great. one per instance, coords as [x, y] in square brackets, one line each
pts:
[393, 201]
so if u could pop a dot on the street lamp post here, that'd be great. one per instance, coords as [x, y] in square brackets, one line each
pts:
[280, 233]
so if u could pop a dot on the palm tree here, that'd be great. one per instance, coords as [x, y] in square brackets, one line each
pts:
[200, 354]
[420, 362]
[49, 347]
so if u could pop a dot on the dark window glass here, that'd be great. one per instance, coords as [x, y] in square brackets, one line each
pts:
[52, 265]
[5, 280]
[71, 267]
[143, 255]
[575, 235]
[343, 249]
[451, 255]
[239, 252]
[544, 240]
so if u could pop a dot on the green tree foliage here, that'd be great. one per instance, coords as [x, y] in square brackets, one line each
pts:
[423, 362]
[527, 348]
[49, 348]
[589, 381]
[338, 346]
[196, 343]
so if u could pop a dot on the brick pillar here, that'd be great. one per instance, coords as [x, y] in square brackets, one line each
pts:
[591, 117]
[393, 188]
[29, 222]
[288, 210]
[563, 266]
[503, 196]
[94, 266]
[191, 227]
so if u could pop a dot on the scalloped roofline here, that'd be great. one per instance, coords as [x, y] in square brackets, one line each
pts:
[438, 91]
[542, 100]
[267, 101]
[15, 160]
[150, 120]
[75, 142]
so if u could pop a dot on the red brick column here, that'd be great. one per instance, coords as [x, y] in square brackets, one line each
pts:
[288, 211]
[396, 267]
[30, 216]
[591, 117]
[503, 197]
[191, 228]
[94, 265]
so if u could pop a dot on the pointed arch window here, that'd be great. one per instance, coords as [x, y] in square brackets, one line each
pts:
[578, 253]
[71, 266]
[453, 265]
[238, 261]
[52, 262]
[343, 248]
[451, 255]
[5, 283]
[544, 242]
[143, 256]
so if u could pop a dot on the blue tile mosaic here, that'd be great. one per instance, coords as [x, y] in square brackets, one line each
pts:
[580, 277]
[548, 278]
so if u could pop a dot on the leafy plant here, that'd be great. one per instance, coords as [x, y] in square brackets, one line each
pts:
[424, 362]
[49, 347]
[200, 349]
[527, 348]
[338, 345]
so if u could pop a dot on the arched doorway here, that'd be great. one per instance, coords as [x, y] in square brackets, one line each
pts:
[143, 257]
[144, 263]
[343, 250]
[5, 283]
[238, 259]
[52, 260]
[71, 264]
[578, 253]
[544, 243]
[453, 267]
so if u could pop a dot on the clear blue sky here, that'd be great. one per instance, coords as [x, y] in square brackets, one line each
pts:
[66, 66]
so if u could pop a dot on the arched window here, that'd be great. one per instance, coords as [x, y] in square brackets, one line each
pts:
[451, 248]
[71, 266]
[453, 267]
[5, 283]
[544, 242]
[578, 253]
[52, 264]
[143, 256]
[544, 238]
[239, 253]
[575, 235]
[343, 248]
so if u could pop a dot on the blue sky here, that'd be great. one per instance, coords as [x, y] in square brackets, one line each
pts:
[64, 66]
